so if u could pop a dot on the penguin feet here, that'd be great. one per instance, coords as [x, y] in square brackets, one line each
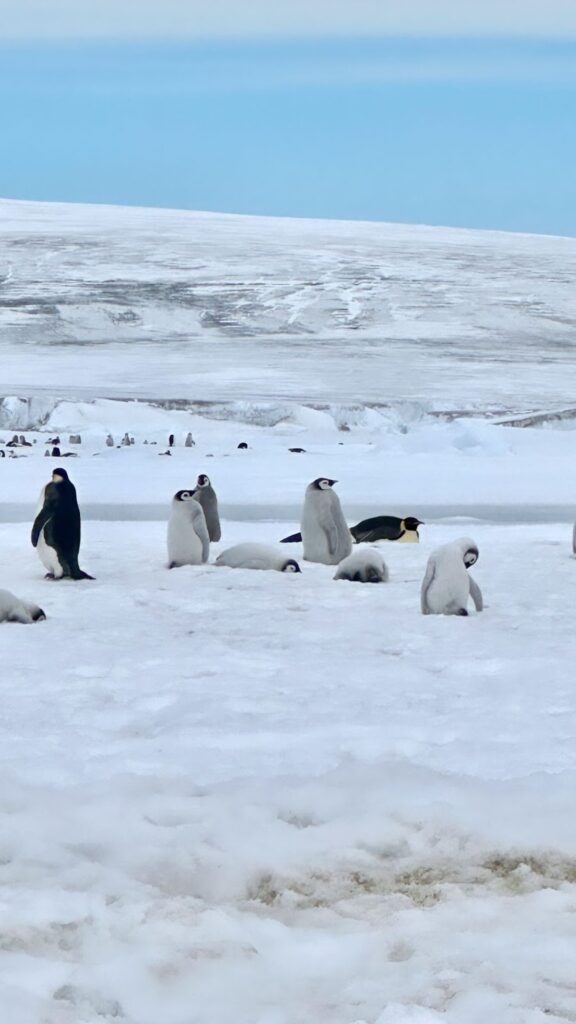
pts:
[49, 576]
[462, 611]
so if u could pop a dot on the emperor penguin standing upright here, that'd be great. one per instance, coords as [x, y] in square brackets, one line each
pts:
[205, 495]
[325, 534]
[447, 584]
[57, 529]
[188, 540]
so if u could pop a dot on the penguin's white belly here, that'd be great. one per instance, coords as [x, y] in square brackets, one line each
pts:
[449, 590]
[48, 557]
[184, 544]
[409, 537]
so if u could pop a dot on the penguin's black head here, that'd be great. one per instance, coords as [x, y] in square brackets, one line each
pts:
[470, 557]
[411, 523]
[58, 475]
[291, 565]
[203, 480]
[184, 496]
[323, 483]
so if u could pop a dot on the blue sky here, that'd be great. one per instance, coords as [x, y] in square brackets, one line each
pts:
[471, 131]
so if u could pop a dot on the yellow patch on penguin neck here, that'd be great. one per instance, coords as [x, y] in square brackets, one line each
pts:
[409, 536]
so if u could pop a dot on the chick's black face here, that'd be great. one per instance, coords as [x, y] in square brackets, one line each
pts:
[291, 566]
[411, 523]
[203, 480]
[470, 557]
[322, 483]
[58, 475]
[184, 496]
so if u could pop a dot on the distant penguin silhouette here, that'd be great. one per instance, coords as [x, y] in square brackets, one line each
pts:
[55, 453]
[109, 441]
[14, 609]
[57, 529]
[242, 444]
[447, 584]
[364, 565]
[189, 442]
[325, 535]
[54, 440]
[297, 450]
[387, 528]
[257, 556]
[205, 494]
[171, 441]
[125, 442]
[188, 540]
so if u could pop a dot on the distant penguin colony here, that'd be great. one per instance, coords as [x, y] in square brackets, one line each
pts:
[325, 534]
[364, 565]
[14, 609]
[205, 495]
[188, 540]
[257, 556]
[447, 584]
[56, 530]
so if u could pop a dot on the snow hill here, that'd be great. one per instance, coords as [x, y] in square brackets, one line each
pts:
[211, 307]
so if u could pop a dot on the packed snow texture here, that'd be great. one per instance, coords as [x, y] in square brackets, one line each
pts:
[244, 797]
[206, 307]
[235, 797]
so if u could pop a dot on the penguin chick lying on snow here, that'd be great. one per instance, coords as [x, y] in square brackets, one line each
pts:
[365, 565]
[447, 585]
[13, 609]
[257, 556]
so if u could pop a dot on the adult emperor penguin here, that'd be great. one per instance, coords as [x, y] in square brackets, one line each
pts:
[257, 556]
[387, 528]
[325, 535]
[205, 495]
[57, 528]
[14, 609]
[188, 540]
[447, 584]
[364, 565]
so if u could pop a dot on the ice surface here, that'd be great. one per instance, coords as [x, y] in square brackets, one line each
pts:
[251, 798]
[212, 307]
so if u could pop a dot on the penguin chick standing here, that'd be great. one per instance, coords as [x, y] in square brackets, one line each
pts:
[57, 529]
[365, 565]
[325, 535]
[387, 528]
[205, 495]
[257, 556]
[13, 609]
[188, 540]
[447, 585]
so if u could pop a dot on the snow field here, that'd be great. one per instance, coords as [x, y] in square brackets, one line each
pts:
[251, 798]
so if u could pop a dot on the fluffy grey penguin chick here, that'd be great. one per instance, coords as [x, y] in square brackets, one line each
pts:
[364, 565]
[257, 556]
[325, 534]
[188, 540]
[447, 584]
[205, 495]
[14, 609]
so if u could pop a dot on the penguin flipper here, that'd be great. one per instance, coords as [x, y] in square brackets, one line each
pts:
[44, 515]
[426, 583]
[476, 595]
[294, 538]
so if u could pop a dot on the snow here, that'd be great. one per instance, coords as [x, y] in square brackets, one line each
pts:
[236, 797]
[208, 307]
